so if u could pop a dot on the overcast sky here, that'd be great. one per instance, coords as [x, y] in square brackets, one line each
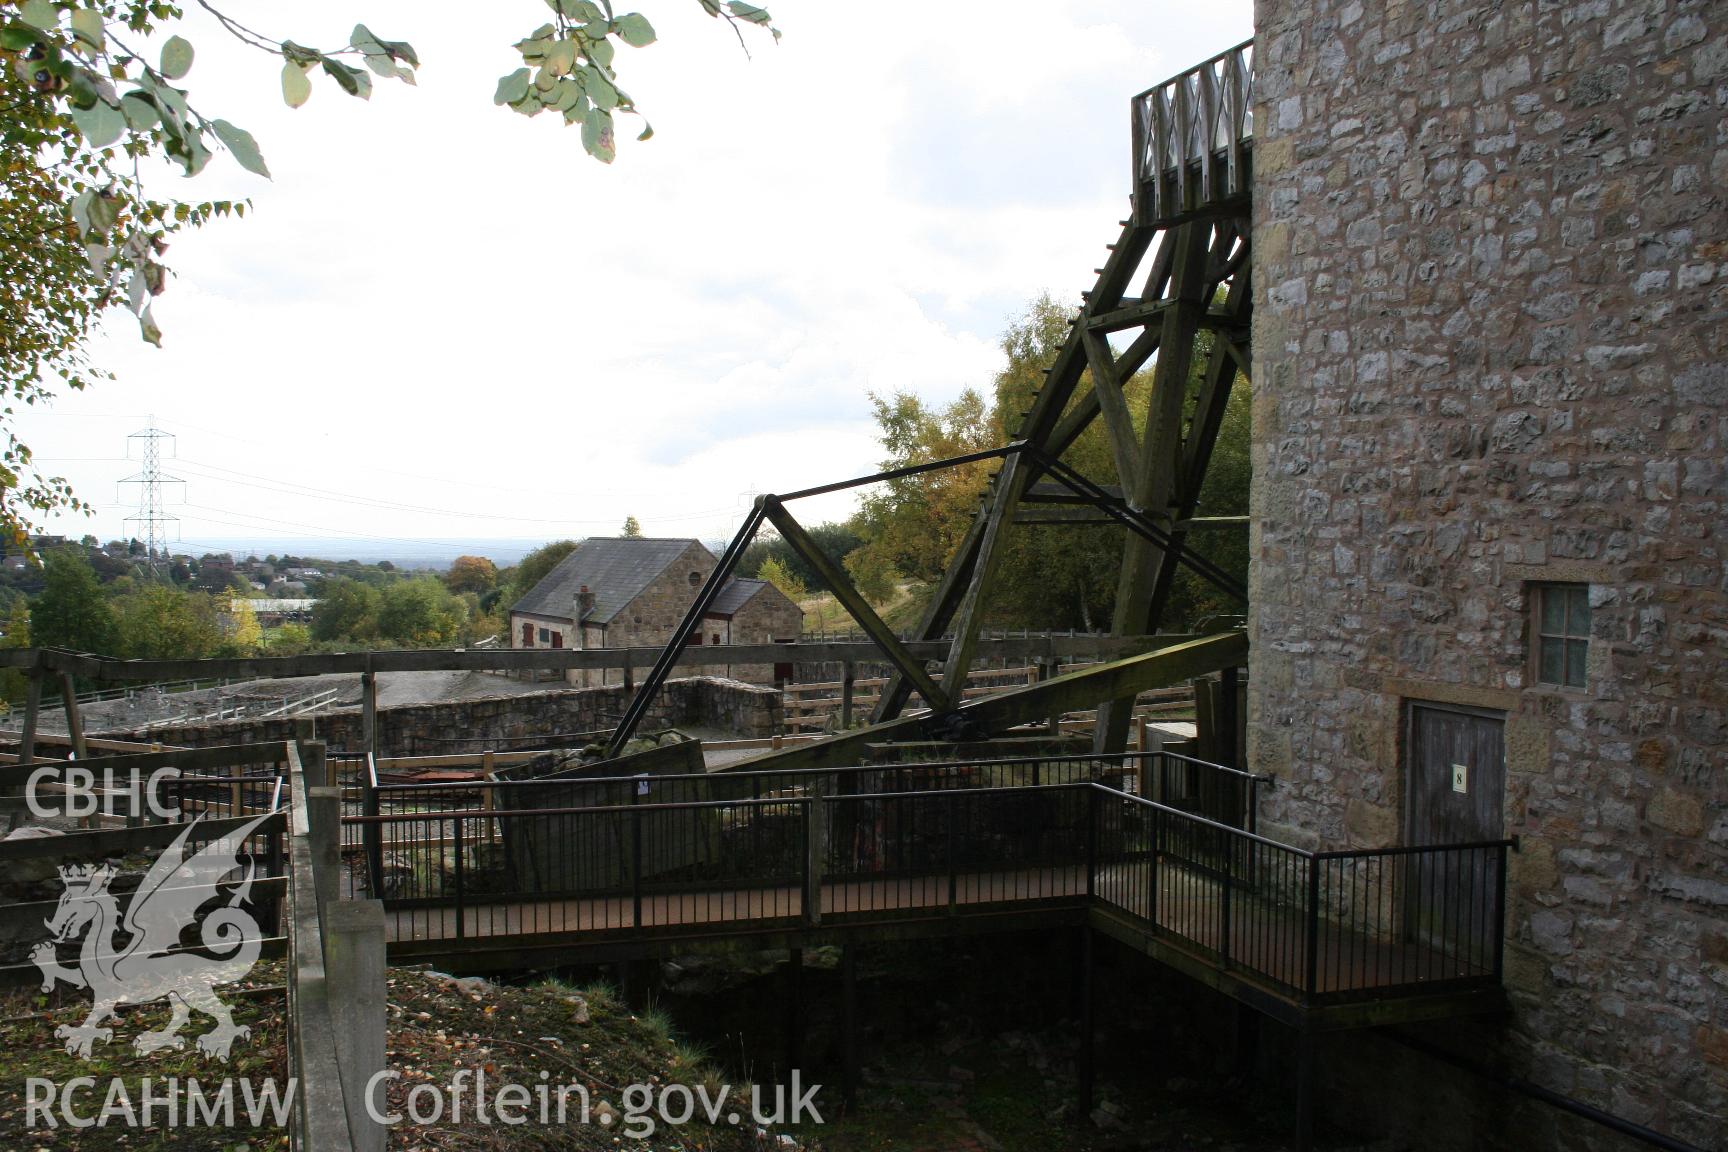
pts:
[442, 320]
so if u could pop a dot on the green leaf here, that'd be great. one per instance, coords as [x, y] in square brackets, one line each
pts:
[148, 327]
[601, 52]
[296, 85]
[363, 39]
[40, 14]
[566, 95]
[176, 58]
[245, 149]
[386, 67]
[560, 57]
[647, 131]
[511, 88]
[18, 37]
[634, 30]
[99, 124]
[140, 112]
[600, 90]
[402, 50]
[103, 212]
[81, 212]
[353, 81]
[300, 55]
[87, 26]
[597, 135]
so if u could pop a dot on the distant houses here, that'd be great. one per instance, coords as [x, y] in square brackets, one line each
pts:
[627, 592]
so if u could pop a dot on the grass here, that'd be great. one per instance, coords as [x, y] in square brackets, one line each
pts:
[437, 1028]
[901, 611]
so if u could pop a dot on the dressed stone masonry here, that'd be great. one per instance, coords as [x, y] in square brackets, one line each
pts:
[1491, 348]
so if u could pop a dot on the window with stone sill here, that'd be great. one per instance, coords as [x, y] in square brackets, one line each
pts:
[1562, 631]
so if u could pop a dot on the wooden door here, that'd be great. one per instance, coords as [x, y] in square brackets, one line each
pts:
[1455, 793]
[1455, 775]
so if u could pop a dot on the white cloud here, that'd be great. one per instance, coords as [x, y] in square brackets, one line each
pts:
[438, 303]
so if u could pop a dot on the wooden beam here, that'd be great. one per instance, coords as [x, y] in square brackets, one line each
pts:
[1202, 437]
[847, 593]
[185, 759]
[1107, 387]
[1010, 482]
[74, 723]
[1072, 692]
[1150, 489]
[113, 670]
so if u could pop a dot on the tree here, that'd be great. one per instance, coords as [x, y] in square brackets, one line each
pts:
[837, 541]
[81, 103]
[161, 622]
[247, 636]
[514, 584]
[471, 574]
[71, 611]
[13, 681]
[911, 526]
[1049, 576]
[776, 574]
[348, 610]
[420, 613]
[632, 528]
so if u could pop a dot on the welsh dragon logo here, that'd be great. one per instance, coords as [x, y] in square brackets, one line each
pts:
[147, 967]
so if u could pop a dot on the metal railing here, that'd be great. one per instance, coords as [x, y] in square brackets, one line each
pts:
[1314, 926]
[389, 855]
[1191, 136]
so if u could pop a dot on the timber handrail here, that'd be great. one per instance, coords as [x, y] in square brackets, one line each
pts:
[1191, 135]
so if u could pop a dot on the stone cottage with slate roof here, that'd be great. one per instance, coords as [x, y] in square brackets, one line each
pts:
[631, 592]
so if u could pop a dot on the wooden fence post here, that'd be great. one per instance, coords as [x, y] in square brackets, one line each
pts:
[369, 711]
[32, 713]
[74, 722]
[355, 969]
[848, 672]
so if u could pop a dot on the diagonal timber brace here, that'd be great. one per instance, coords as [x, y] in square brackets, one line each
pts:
[1075, 691]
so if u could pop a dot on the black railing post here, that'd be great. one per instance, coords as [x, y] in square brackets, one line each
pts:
[1091, 840]
[951, 798]
[636, 867]
[1313, 957]
[1228, 858]
[1500, 918]
[1152, 882]
[813, 851]
[461, 875]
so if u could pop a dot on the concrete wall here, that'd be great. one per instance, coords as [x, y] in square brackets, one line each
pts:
[510, 721]
[1491, 348]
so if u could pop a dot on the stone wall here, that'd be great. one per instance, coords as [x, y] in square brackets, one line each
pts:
[1491, 348]
[767, 617]
[509, 721]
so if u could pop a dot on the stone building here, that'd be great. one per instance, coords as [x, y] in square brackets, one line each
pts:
[632, 592]
[1491, 406]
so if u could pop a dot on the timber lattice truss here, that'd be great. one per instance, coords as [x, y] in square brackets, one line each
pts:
[1179, 269]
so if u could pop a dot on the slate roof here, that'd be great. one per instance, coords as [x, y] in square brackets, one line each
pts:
[615, 569]
[735, 595]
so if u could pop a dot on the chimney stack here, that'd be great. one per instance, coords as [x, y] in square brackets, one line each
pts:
[584, 603]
